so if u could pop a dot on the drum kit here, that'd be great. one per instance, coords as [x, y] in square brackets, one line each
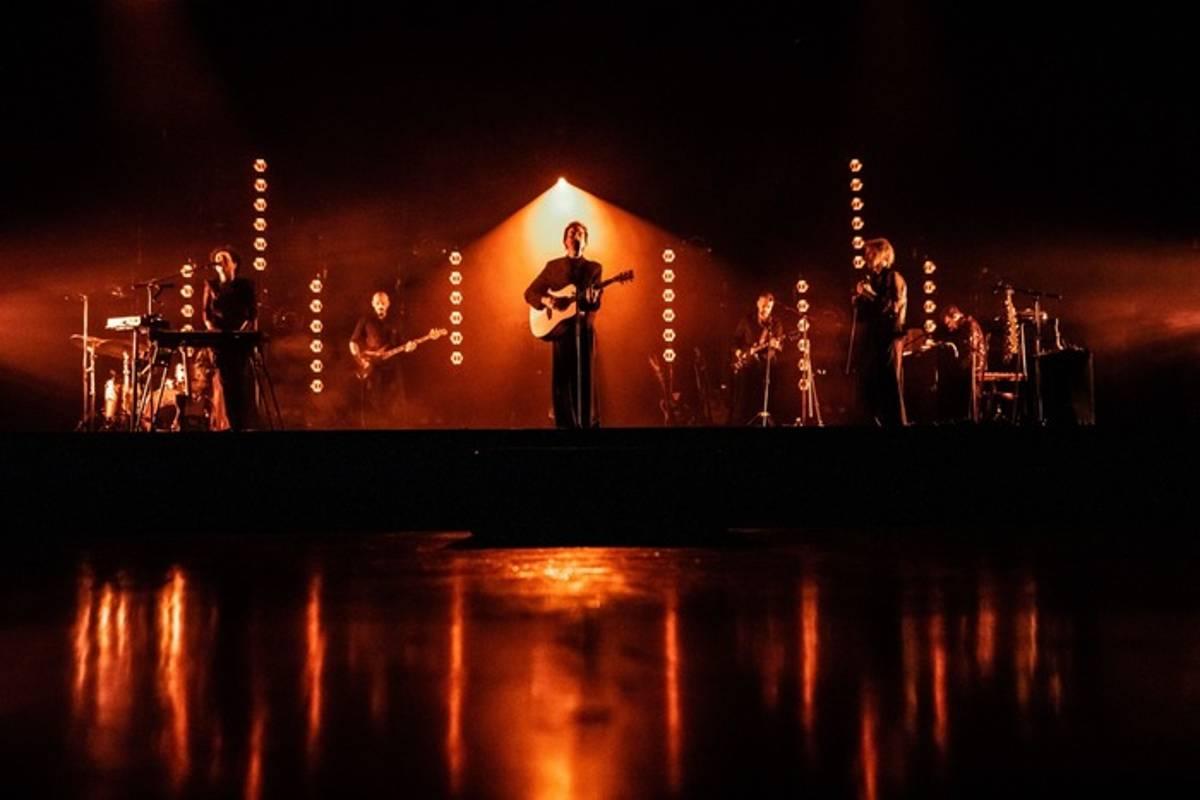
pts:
[163, 389]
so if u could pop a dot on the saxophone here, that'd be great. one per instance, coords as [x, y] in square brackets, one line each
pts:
[1012, 339]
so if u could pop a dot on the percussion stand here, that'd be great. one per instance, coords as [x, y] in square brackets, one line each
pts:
[763, 418]
[265, 387]
[87, 420]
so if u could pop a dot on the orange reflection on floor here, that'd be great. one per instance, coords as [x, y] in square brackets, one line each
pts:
[985, 629]
[809, 650]
[910, 650]
[173, 666]
[1026, 650]
[674, 730]
[456, 684]
[82, 638]
[937, 650]
[868, 745]
[314, 662]
[114, 677]
[258, 722]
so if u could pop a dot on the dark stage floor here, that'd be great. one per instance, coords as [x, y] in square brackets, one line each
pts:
[848, 666]
[627, 486]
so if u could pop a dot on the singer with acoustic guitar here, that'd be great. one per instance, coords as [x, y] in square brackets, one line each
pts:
[570, 284]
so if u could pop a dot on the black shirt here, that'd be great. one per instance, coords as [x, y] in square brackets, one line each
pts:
[373, 333]
[229, 305]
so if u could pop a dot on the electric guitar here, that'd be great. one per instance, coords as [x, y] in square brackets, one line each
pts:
[545, 322]
[367, 360]
[744, 358]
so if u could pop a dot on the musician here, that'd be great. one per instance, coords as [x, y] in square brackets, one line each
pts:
[384, 400]
[572, 367]
[960, 365]
[757, 342]
[881, 301]
[230, 305]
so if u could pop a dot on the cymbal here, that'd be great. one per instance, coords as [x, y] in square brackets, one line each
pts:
[102, 347]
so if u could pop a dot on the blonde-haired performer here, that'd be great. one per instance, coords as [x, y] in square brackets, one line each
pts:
[881, 299]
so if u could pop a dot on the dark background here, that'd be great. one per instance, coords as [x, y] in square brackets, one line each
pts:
[1055, 149]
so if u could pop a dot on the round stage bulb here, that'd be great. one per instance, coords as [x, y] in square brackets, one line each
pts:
[930, 306]
[315, 306]
[668, 355]
[456, 298]
[317, 346]
[855, 165]
[801, 286]
[668, 295]
[187, 271]
[857, 204]
[456, 338]
[668, 256]
[260, 204]
[456, 358]
[857, 223]
[260, 185]
[455, 258]
[455, 278]
[188, 311]
[930, 267]
[260, 224]
[930, 287]
[668, 276]
[456, 318]
[260, 165]
[316, 365]
[802, 307]
[260, 264]
[260, 244]
[315, 286]
[187, 290]
[317, 386]
[930, 326]
[669, 335]
[856, 185]
[857, 243]
[669, 315]
[316, 326]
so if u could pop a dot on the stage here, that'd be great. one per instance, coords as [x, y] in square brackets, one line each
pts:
[608, 486]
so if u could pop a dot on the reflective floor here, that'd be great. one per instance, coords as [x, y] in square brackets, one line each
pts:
[414, 666]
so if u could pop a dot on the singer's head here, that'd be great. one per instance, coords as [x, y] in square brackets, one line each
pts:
[879, 254]
[380, 302]
[575, 238]
[226, 260]
[952, 317]
[765, 304]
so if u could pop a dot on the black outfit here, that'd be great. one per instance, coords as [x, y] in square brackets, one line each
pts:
[749, 382]
[565, 375]
[384, 399]
[881, 349]
[958, 370]
[228, 306]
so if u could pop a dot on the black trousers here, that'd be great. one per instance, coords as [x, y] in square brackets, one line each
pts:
[881, 376]
[565, 379]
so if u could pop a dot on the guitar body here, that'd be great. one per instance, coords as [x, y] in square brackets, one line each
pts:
[548, 323]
